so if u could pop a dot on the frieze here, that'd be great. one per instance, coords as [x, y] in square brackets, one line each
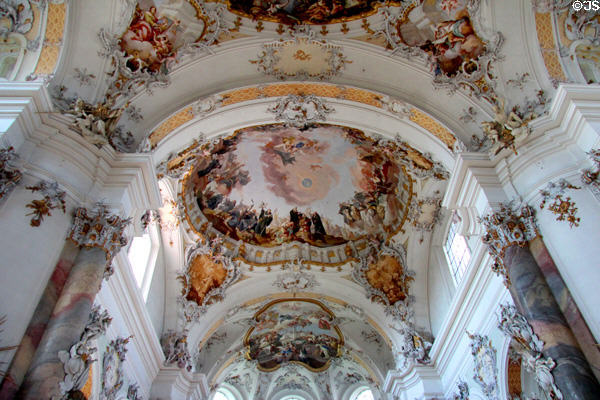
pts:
[505, 228]
[486, 369]
[99, 228]
[300, 111]
[563, 208]
[10, 175]
[78, 360]
[54, 198]
[112, 364]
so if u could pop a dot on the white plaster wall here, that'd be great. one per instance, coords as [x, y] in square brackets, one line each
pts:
[29, 255]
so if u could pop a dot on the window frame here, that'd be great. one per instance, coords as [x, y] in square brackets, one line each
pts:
[457, 268]
[144, 285]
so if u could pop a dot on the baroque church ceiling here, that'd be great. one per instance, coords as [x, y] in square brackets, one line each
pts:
[302, 150]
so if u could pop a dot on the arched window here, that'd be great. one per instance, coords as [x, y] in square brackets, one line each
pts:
[292, 397]
[457, 250]
[142, 255]
[223, 394]
[362, 393]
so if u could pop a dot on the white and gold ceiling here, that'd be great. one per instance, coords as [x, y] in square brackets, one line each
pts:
[302, 150]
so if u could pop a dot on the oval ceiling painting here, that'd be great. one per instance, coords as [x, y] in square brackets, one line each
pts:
[293, 330]
[292, 12]
[323, 185]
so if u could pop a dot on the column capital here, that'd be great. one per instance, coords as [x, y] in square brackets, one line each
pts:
[99, 228]
[506, 228]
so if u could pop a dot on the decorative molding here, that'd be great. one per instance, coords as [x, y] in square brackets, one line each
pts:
[10, 175]
[564, 208]
[300, 111]
[590, 177]
[529, 347]
[77, 361]
[112, 364]
[301, 57]
[215, 251]
[53, 198]
[99, 228]
[486, 369]
[295, 279]
[175, 347]
[505, 228]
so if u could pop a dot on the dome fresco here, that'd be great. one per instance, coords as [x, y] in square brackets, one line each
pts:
[323, 185]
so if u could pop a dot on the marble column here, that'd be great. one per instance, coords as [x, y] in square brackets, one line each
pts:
[39, 321]
[507, 238]
[567, 304]
[99, 234]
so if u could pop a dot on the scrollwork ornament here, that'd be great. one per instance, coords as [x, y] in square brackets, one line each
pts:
[505, 228]
[415, 345]
[19, 15]
[564, 208]
[132, 392]
[112, 368]
[463, 391]
[77, 361]
[513, 324]
[10, 175]
[53, 198]
[300, 111]
[191, 310]
[486, 370]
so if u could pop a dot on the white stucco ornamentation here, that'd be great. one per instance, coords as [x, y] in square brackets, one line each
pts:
[175, 347]
[78, 359]
[486, 370]
[300, 111]
[10, 175]
[112, 364]
[505, 228]
[591, 177]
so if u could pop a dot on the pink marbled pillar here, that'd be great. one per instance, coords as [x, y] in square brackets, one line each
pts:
[37, 326]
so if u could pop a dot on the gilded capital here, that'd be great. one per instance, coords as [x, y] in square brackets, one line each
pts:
[506, 228]
[99, 228]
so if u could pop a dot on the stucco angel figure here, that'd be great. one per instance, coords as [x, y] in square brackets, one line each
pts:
[541, 367]
[507, 129]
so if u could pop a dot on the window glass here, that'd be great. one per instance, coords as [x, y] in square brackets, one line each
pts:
[457, 251]
[224, 394]
[362, 393]
[139, 254]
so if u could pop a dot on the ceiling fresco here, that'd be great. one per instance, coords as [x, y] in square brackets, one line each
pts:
[302, 331]
[323, 185]
[292, 12]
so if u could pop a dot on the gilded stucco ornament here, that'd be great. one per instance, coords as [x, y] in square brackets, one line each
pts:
[175, 347]
[486, 369]
[112, 364]
[99, 228]
[209, 271]
[10, 175]
[529, 347]
[294, 279]
[54, 198]
[563, 208]
[300, 111]
[505, 228]
[591, 177]
[414, 345]
[385, 277]
[301, 57]
[77, 361]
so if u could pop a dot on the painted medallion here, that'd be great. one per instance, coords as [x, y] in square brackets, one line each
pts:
[302, 331]
[323, 185]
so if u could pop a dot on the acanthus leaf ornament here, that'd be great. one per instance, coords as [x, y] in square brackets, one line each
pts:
[565, 209]
[99, 228]
[112, 367]
[505, 228]
[300, 111]
[53, 198]
[77, 361]
[529, 347]
[10, 175]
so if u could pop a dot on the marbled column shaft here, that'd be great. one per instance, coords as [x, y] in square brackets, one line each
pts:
[567, 304]
[31, 339]
[68, 321]
[535, 301]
